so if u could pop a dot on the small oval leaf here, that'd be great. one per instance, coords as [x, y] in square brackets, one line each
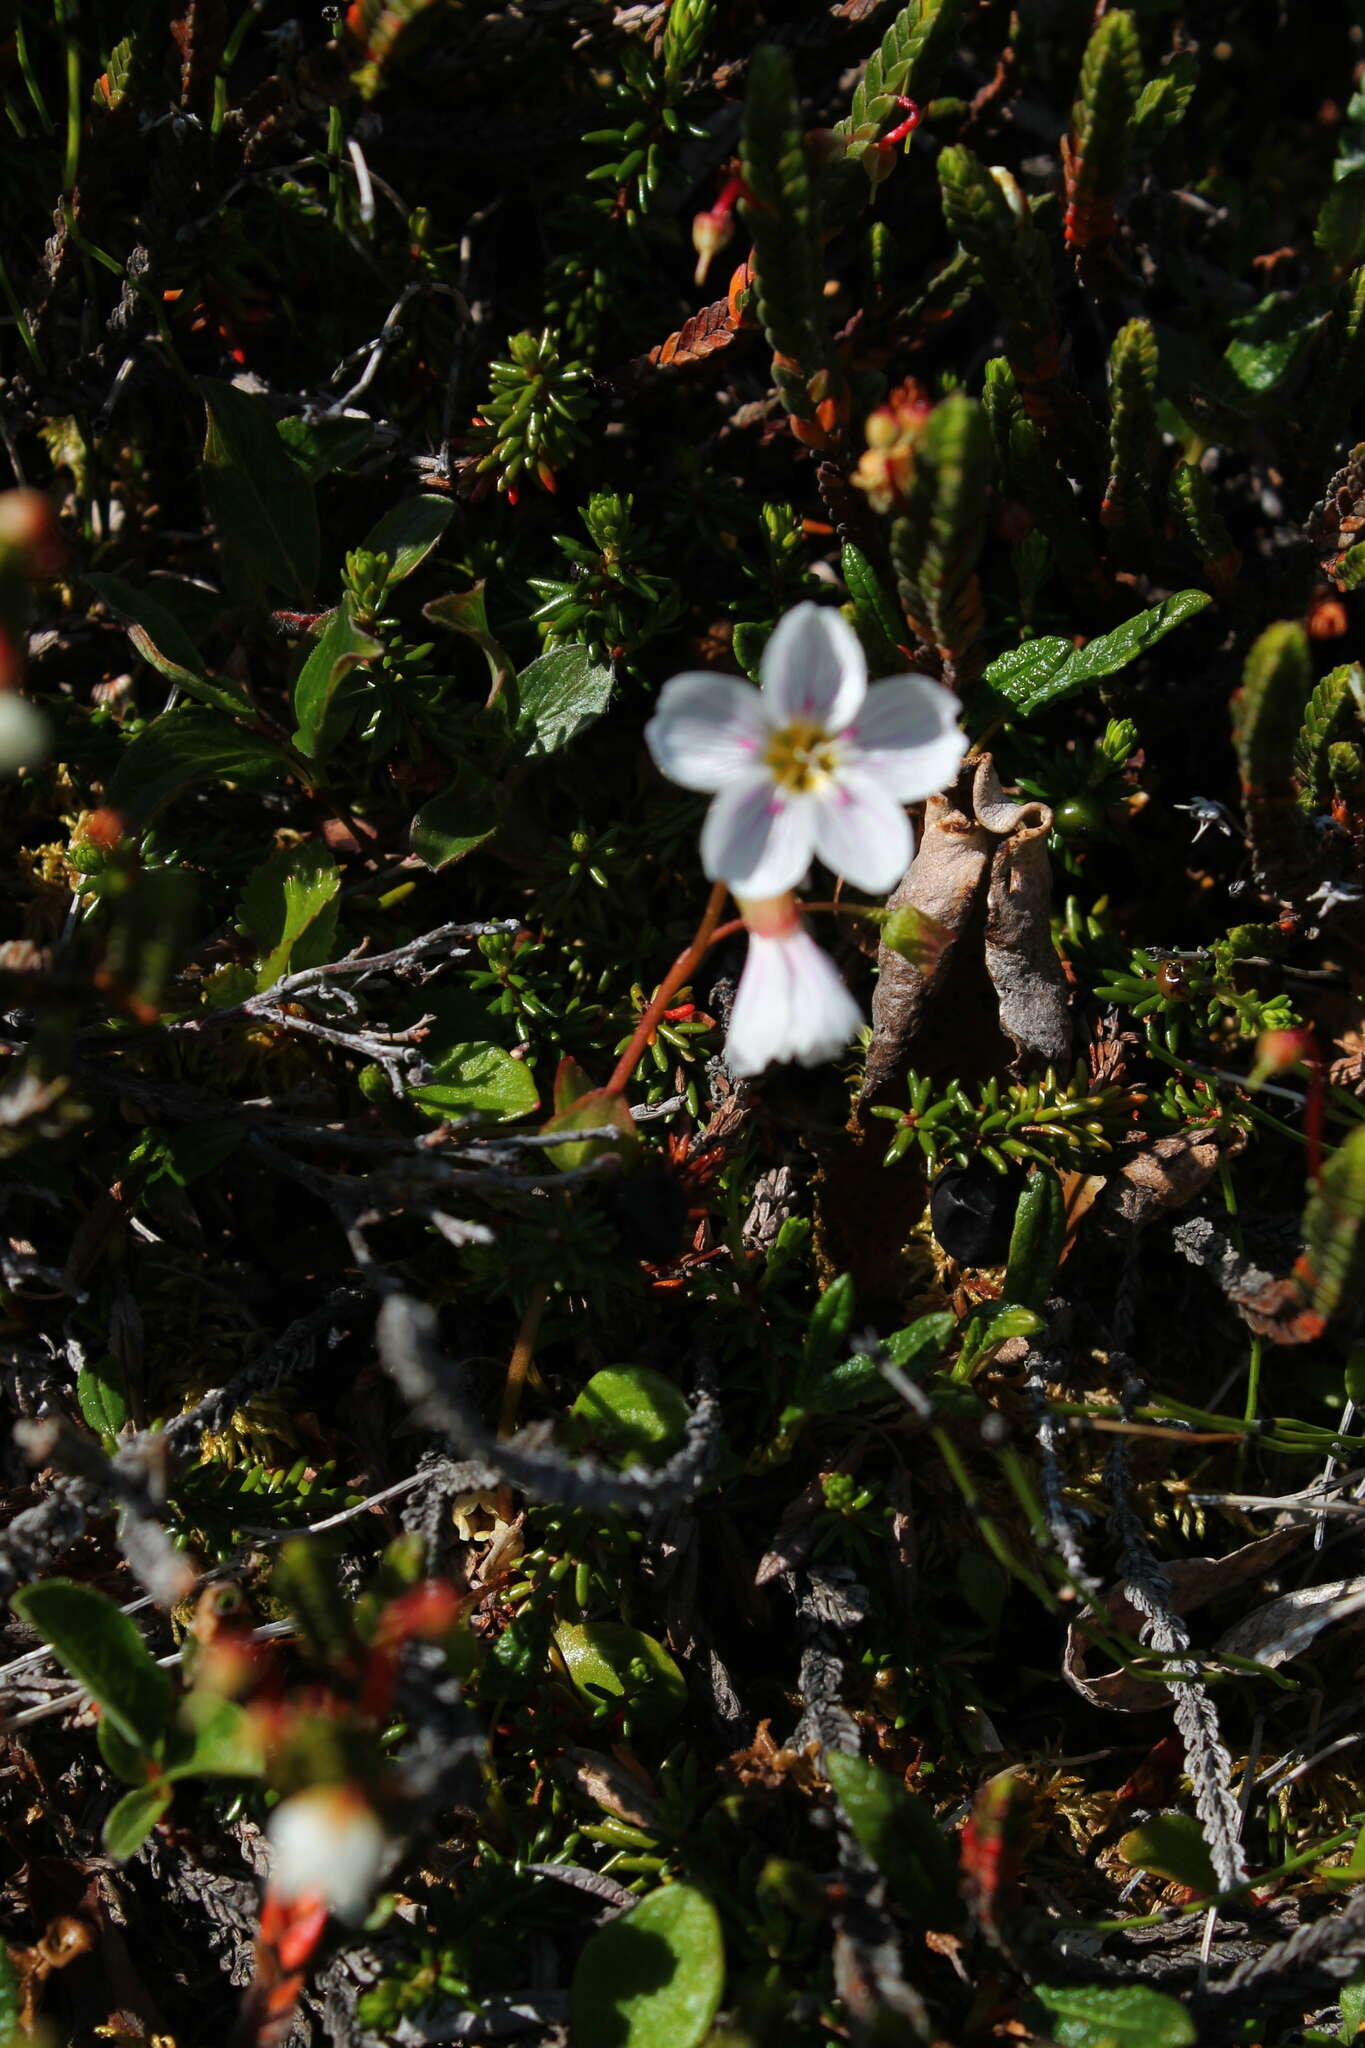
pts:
[129, 1823]
[634, 1412]
[608, 1661]
[1116, 2016]
[652, 1979]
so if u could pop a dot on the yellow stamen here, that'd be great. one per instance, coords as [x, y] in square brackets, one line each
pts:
[801, 756]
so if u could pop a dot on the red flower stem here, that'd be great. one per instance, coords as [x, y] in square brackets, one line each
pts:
[1313, 1108]
[680, 972]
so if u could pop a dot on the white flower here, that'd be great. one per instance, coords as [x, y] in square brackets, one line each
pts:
[327, 1844]
[815, 762]
[24, 733]
[791, 1003]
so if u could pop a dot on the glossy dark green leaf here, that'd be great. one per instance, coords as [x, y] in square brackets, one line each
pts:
[634, 1412]
[408, 533]
[1043, 672]
[479, 1079]
[101, 1648]
[289, 906]
[608, 1661]
[653, 1978]
[100, 1396]
[452, 824]
[259, 499]
[341, 646]
[558, 695]
[128, 1824]
[899, 1832]
[1115, 2016]
[182, 748]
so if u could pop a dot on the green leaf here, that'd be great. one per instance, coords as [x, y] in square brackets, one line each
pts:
[988, 1328]
[652, 1979]
[1116, 2016]
[558, 695]
[321, 719]
[1171, 1845]
[128, 1760]
[1352, 2009]
[920, 1344]
[182, 748]
[464, 611]
[479, 1079]
[11, 2000]
[899, 1832]
[608, 1661]
[1340, 230]
[600, 1109]
[128, 1824]
[317, 447]
[830, 1322]
[219, 1739]
[1036, 1240]
[408, 533]
[160, 639]
[452, 824]
[305, 1579]
[101, 1398]
[1043, 672]
[875, 615]
[289, 906]
[1267, 340]
[1163, 101]
[104, 1653]
[257, 496]
[634, 1412]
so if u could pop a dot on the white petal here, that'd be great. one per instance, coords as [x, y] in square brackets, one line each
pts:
[707, 730]
[758, 838]
[862, 832]
[328, 1842]
[814, 667]
[791, 1004]
[907, 735]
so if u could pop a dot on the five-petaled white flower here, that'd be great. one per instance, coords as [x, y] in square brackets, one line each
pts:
[814, 763]
[327, 1844]
[791, 1003]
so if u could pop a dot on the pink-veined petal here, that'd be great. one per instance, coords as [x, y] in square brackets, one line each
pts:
[814, 668]
[757, 838]
[791, 1004]
[862, 832]
[908, 737]
[707, 731]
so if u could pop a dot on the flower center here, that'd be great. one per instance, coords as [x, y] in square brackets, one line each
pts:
[801, 756]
